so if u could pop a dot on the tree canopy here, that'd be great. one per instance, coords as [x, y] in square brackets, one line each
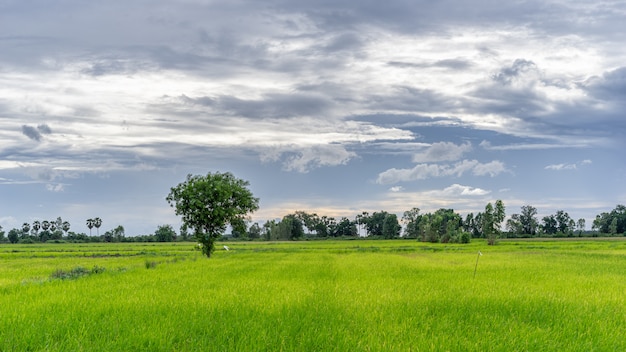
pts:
[208, 204]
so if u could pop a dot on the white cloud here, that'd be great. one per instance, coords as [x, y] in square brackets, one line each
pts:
[528, 146]
[492, 168]
[564, 166]
[419, 172]
[424, 171]
[322, 155]
[442, 151]
[396, 189]
[460, 190]
[55, 187]
[559, 167]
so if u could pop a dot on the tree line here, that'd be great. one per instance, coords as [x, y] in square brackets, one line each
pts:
[443, 225]
[58, 231]
[208, 204]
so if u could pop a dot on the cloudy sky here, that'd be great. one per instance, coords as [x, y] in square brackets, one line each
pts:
[334, 106]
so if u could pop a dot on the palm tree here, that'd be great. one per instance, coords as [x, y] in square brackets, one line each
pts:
[45, 225]
[25, 228]
[97, 222]
[36, 226]
[90, 225]
[65, 226]
[53, 226]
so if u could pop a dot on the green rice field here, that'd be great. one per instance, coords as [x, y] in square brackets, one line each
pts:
[358, 295]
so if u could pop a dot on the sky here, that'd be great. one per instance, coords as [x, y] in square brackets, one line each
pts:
[334, 107]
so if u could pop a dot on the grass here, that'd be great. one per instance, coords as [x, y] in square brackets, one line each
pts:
[316, 296]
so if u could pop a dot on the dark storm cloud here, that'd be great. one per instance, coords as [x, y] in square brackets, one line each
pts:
[406, 15]
[517, 70]
[44, 129]
[104, 66]
[238, 33]
[428, 16]
[37, 133]
[277, 105]
[31, 132]
[611, 86]
[512, 91]
[348, 41]
[270, 105]
[518, 93]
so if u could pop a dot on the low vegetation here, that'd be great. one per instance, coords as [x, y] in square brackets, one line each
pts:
[381, 295]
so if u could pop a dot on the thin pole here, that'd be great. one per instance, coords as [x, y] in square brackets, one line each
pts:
[476, 267]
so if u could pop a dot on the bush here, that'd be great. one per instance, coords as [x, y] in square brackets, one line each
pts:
[465, 237]
[75, 273]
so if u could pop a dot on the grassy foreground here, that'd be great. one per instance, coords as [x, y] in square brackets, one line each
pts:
[315, 296]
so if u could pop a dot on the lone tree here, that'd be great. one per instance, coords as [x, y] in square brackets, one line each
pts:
[208, 204]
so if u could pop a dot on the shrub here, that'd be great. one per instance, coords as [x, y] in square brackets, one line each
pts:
[465, 237]
[75, 273]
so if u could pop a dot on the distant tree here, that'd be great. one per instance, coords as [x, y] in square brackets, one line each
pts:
[36, 227]
[580, 225]
[309, 221]
[524, 224]
[89, 225]
[107, 236]
[549, 225]
[239, 229]
[391, 227]
[565, 224]
[65, 226]
[428, 227]
[14, 234]
[290, 228]
[209, 203]
[444, 225]
[56, 232]
[528, 220]
[165, 233]
[411, 219]
[473, 224]
[254, 232]
[499, 215]
[345, 228]
[119, 233]
[53, 226]
[324, 226]
[115, 235]
[97, 222]
[25, 229]
[612, 222]
[361, 221]
[613, 227]
[268, 231]
[1, 235]
[514, 226]
[374, 223]
[492, 221]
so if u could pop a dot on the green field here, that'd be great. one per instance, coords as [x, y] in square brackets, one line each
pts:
[355, 295]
